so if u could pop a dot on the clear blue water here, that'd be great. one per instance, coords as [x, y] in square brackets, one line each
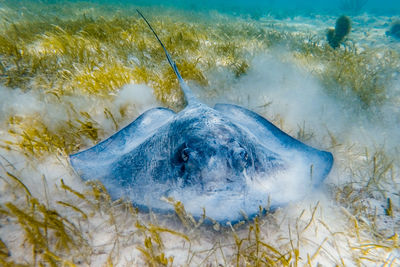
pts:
[289, 7]
[275, 7]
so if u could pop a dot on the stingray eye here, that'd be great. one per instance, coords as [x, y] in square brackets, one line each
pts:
[241, 154]
[185, 154]
[240, 158]
[244, 155]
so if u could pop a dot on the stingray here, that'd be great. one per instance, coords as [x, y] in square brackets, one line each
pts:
[227, 160]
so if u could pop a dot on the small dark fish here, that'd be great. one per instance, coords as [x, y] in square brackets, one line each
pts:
[394, 30]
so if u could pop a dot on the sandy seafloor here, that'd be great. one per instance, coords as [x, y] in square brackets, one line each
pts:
[353, 220]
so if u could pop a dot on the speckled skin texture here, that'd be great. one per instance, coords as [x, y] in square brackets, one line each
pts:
[226, 159]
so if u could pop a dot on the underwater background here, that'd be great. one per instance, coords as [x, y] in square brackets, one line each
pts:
[288, 7]
[74, 72]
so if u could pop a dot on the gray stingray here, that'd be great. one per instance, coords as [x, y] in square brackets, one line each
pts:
[227, 160]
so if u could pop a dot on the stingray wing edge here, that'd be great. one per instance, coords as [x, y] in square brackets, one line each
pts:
[320, 161]
[97, 161]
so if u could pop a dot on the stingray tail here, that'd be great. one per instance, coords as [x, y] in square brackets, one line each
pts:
[190, 98]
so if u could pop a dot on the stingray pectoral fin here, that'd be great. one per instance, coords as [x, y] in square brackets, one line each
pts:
[320, 162]
[96, 162]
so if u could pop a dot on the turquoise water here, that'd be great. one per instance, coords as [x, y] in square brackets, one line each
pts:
[257, 8]
[293, 7]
